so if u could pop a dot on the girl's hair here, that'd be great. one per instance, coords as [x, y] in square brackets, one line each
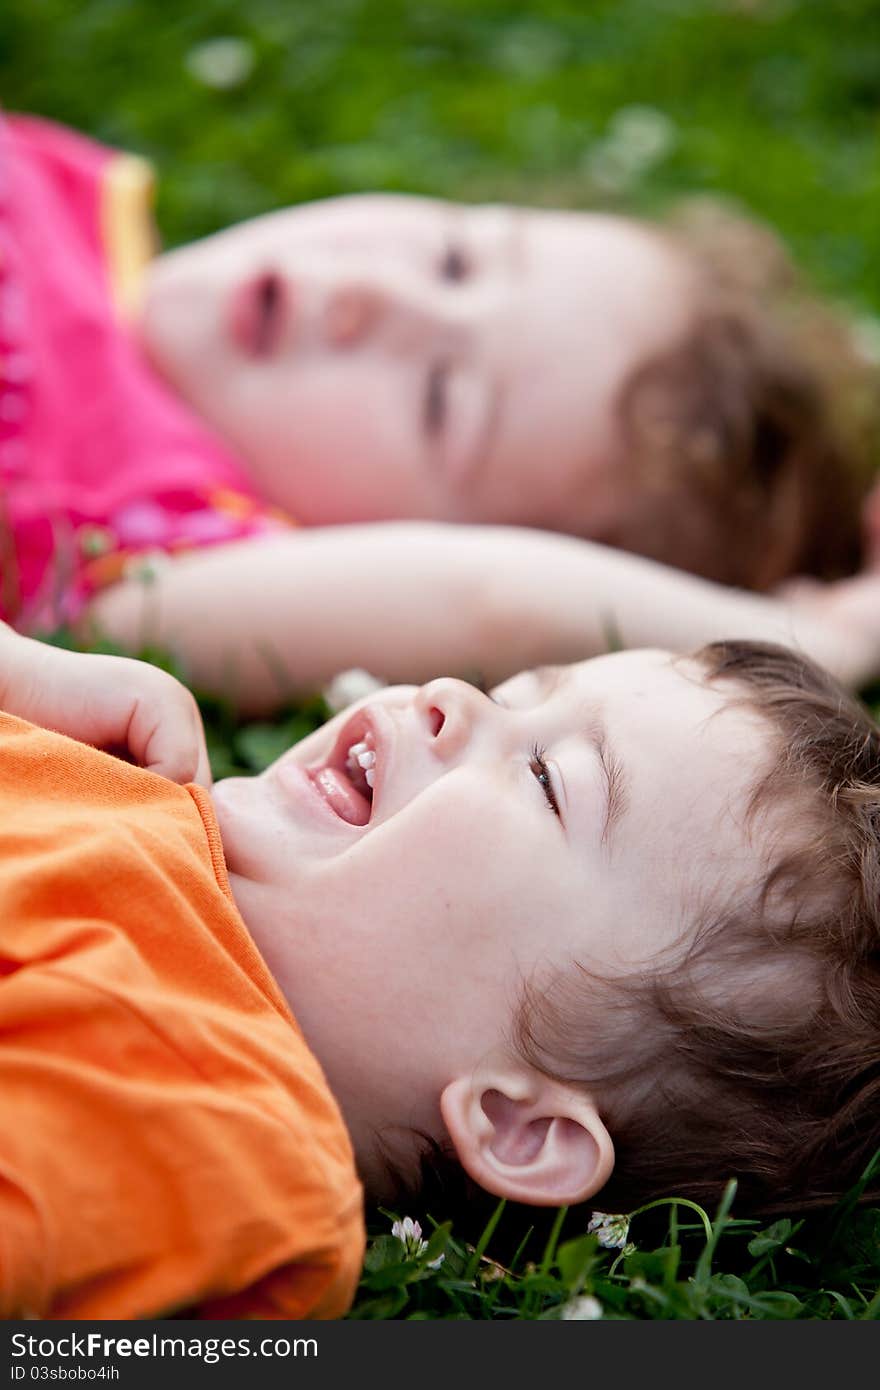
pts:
[751, 443]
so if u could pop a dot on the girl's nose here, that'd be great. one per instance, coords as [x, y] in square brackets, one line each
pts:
[404, 316]
[351, 311]
[451, 709]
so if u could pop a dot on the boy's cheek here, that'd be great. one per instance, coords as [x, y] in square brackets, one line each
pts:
[256, 844]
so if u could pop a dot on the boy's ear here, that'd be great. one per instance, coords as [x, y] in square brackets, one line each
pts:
[521, 1135]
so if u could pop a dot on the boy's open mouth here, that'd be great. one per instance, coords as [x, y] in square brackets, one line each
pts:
[347, 780]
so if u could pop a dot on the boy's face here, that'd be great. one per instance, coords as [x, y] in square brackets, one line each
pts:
[401, 931]
[378, 357]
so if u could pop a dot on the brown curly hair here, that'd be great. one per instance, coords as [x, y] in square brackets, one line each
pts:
[750, 444]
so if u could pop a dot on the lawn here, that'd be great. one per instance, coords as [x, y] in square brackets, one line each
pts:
[772, 101]
[244, 107]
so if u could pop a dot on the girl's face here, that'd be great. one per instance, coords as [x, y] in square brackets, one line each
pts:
[586, 814]
[378, 357]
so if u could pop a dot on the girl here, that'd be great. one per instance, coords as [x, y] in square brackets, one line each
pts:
[181, 437]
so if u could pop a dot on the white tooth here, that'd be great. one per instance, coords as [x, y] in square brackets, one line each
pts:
[357, 748]
[370, 776]
[366, 759]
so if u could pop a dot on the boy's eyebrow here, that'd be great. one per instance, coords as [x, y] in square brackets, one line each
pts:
[613, 771]
[616, 781]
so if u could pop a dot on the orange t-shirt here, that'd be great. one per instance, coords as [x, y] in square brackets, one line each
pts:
[168, 1143]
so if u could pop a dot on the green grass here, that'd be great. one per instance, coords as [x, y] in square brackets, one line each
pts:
[772, 102]
[673, 1261]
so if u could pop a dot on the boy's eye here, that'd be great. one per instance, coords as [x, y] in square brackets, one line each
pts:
[541, 773]
[454, 263]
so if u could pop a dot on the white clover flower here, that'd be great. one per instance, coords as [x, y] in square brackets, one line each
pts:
[529, 49]
[645, 134]
[221, 63]
[585, 1308]
[611, 1229]
[409, 1232]
[349, 686]
[638, 138]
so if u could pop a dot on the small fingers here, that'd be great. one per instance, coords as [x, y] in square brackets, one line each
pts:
[203, 766]
[799, 588]
[165, 732]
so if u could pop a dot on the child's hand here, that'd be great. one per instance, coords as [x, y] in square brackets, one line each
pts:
[116, 703]
[850, 606]
[871, 528]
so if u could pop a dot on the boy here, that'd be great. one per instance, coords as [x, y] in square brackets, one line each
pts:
[537, 929]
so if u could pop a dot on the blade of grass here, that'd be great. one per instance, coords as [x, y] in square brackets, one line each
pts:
[677, 1202]
[704, 1264]
[872, 1312]
[480, 1249]
[553, 1240]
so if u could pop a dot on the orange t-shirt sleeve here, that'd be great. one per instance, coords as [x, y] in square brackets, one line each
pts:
[168, 1142]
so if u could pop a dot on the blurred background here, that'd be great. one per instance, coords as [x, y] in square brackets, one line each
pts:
[246, 105]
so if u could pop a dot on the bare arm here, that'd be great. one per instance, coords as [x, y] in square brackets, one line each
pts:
[262, 620]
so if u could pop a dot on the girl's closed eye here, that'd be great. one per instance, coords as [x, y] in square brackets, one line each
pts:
[541, 773]
[436, 390]
[454, 263]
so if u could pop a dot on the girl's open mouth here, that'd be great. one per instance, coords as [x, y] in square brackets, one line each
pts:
[260, 308]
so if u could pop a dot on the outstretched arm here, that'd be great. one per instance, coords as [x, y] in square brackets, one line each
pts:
[263, 620]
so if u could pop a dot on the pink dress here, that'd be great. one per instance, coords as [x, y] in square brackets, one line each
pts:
[102, 468]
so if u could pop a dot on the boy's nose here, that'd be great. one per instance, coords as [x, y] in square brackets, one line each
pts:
[450, 709]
